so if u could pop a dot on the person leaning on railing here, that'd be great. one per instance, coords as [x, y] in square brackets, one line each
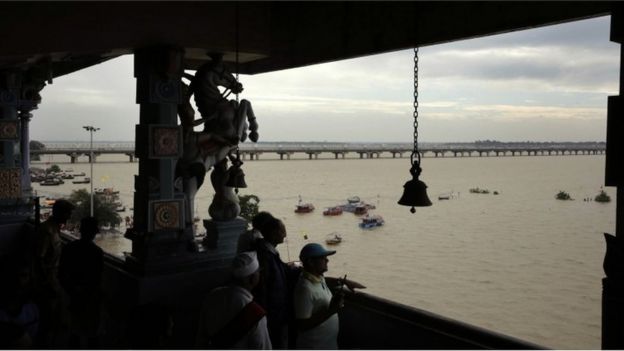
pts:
[316, 308]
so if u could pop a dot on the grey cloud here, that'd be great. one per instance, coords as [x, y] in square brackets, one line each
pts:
[568, 54]
[589, 33]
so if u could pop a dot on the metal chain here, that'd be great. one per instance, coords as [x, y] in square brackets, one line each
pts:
[415, 152]
[237, 44]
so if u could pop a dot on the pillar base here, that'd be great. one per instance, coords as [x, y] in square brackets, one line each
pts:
[222, 237]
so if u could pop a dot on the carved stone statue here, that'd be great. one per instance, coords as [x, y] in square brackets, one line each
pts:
[224, 206]
[225, 125]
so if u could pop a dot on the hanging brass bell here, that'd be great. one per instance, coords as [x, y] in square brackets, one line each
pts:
[415, 192]
[236, 178]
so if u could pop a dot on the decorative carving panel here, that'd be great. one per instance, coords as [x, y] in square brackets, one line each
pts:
[10, 183]
[164, 91]
[8, 97]
[9, 130]
[166, 215]
[165, 142]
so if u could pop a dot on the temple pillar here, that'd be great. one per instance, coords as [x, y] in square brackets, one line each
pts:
[11, 170]
[19, 94]
[161, 234]
[613, 283]
[25, 117]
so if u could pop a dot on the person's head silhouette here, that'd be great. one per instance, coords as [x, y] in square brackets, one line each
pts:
[88, 228]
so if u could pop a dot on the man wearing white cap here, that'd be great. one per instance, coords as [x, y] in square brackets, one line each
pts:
[229, 318]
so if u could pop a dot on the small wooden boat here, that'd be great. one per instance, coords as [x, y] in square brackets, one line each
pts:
[371, 222]
[353, 199]
[333, 238]
[304, 208]
[86, 180]
[333, 211]
[81, 174]
[51, 182]
[360, 210]
[106, 191]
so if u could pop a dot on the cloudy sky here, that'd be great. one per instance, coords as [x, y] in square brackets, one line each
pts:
[545, 84]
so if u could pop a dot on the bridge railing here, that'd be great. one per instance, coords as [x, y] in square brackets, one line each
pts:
[128, 148]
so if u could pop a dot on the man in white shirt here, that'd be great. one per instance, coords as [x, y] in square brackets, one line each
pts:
[315, 306]
[229, 318]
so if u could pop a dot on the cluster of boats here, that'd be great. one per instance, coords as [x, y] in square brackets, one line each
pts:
[354, 205]
[58, 178]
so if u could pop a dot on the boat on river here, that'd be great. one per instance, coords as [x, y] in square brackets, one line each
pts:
[51, 182]
[333, 211]
[304, 208]
[106, 191]
[357, 208]
[333, 238]
[353, 199]
[371, 221]
[86, 180]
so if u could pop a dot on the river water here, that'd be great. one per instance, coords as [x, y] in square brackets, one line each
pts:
[521, 263]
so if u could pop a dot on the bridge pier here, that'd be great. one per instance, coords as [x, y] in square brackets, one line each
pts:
[313, 154]
[130, 157]
[336, 154]
[73, 157]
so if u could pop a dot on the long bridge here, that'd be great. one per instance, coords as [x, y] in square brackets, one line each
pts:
[285, 150]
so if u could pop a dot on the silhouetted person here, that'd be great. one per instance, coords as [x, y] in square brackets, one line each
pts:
[47, 256]
[247, 240]
[150, 327]
[19, 315]
[277, 279]
[80, 274]
[229, 318]
[14, 336]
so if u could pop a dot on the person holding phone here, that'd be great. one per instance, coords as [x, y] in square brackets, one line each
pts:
[316, 307]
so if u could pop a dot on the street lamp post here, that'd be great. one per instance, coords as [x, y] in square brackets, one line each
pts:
[91, 129]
